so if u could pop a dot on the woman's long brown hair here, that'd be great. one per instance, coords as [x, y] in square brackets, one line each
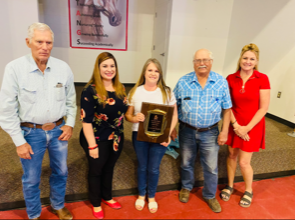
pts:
[96, 78]
[166, 91]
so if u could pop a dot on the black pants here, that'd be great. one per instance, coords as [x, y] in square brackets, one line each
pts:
[100, 175]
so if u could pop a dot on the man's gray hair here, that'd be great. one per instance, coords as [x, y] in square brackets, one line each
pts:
[40, 27]
[210, 54]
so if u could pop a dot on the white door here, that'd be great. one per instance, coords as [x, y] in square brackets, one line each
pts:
[161, 31]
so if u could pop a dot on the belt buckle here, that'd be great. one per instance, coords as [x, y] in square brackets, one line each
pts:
[48, 126]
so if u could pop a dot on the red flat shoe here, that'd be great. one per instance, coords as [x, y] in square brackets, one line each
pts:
[115, 205]
[98, 215]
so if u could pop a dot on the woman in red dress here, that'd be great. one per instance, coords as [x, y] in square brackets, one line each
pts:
[250, 93]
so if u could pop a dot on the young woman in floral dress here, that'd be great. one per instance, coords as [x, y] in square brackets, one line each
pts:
[103, 105]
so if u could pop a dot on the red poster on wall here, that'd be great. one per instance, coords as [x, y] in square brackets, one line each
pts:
[98, 24]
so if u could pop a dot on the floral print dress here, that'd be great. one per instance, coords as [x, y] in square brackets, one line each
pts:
[105, 114]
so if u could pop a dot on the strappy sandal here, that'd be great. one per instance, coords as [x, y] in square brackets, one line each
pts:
[153, 207]
[140, 203]
[225, 196]
[248, 202]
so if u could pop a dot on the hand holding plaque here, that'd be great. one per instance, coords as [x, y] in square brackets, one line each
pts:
[156, 126]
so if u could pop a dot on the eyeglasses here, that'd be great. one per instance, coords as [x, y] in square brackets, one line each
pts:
[205, 61]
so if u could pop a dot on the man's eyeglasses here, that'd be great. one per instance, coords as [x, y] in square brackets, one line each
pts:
[205, 61]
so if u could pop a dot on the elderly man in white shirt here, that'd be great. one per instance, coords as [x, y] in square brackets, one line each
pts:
[36, 94]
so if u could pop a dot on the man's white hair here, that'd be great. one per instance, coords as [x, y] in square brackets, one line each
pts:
[40, 27]
[209, 52]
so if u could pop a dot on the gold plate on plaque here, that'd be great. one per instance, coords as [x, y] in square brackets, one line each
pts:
[156, 127]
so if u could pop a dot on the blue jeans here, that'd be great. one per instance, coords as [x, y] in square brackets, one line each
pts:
[206, 142]
[41, 140]
[149, 156]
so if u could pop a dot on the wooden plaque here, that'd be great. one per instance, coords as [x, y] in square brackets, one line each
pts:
[156, 126]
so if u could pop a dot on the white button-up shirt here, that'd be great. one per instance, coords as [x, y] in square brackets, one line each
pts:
[28, 95]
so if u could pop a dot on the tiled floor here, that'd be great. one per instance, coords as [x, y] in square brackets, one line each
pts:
[273, 199]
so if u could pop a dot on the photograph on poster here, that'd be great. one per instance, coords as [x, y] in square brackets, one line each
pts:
[98, 24]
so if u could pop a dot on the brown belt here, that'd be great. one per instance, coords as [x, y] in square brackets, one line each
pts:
[46, 127]
[199, 129]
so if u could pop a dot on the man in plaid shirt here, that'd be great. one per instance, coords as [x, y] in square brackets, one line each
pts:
[202, 98]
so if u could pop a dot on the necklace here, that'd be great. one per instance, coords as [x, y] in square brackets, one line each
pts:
[242, 90]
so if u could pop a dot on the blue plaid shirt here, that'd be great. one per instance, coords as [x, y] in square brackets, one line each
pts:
[199, 107]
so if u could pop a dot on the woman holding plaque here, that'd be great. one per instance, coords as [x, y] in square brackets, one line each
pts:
[149, 88]
[103, 105]
[250, 93]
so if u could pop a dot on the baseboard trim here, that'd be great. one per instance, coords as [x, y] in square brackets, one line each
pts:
[84, 84]
[133, 191]
[280, 120]
[80, 84]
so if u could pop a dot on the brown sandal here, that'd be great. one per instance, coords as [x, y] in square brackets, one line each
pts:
[250, 195]
[224, 193]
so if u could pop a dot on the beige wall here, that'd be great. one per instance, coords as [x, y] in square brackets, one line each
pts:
[270, 25]
[15, 17]
[196, 25]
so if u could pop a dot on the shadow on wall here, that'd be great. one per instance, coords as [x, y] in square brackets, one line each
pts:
[269, 24]
[263, 23]
[58, 20]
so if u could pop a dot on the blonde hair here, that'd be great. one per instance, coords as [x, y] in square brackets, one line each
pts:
[96, 78]
[249, 47]
[166, 91]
